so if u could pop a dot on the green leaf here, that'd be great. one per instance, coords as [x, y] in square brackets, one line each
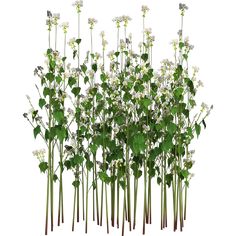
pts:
[117, 54]
[178, 93]
[167, 143]
[89, 165]
[146, 102]
[83, 68]
[86, 79]
[76, 183]
[78, 41]
[159, 180]
[170, 160]
[58, 115]
[61, 133]
[144, 57]
[43, 166]
[46, 92]
[122, 184]
[37, 130]
[67, 164]
[197, 129]
[71, 81]
[171, 127]
[95, 67]
[181, 45]
[77, 160]
[93, 148]
[58, 79]
[168, 179]
[42, 102]
[50, 76]
[104, 177]
[184, 174]
[138, 144]
[120, 119]
[55, 178]
[76, 91]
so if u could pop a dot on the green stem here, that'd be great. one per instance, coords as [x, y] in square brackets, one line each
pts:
[73, 218]
[101, 210]
[47, 203]
[118, 202]
[124, 208]
[135, 200]
[87, 189]
[107, 217]
[145, 197]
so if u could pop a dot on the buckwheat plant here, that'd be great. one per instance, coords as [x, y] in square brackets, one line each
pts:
[118, 127]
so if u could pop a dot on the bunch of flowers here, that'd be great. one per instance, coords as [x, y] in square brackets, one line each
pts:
[134, 123]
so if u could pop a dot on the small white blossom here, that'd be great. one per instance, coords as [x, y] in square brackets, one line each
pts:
[146, 128]
[195, 69]
[92, 22]
[78, 5]
[126, 20]
[148, 31]
[183, 7]
[102, 34]
[65, 26]
[204, 106]
[144, 10]
[72, 43]
[174, 43]
[111, 54]
[55, 18]
[40, 154]
[200, 83]
[117, 20]
[116, 130]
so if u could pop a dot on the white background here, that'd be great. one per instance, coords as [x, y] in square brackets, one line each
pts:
[211, 26]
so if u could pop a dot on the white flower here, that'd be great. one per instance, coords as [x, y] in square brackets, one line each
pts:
[174, 43]
[204, 106]
[146, 128]
[144, 9]
[104, 43]
[91, 73]
[195, 69]
[78, 5]
[147, 31]
[55, 18]
[92, 22]
[126, 20]
[183, 7]
[111, 54]
[116, 130]
[65, 26]
[72, 43]
[117, 20]
[30, 112]
[200, 83]
[40, 154]
[97, 56]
